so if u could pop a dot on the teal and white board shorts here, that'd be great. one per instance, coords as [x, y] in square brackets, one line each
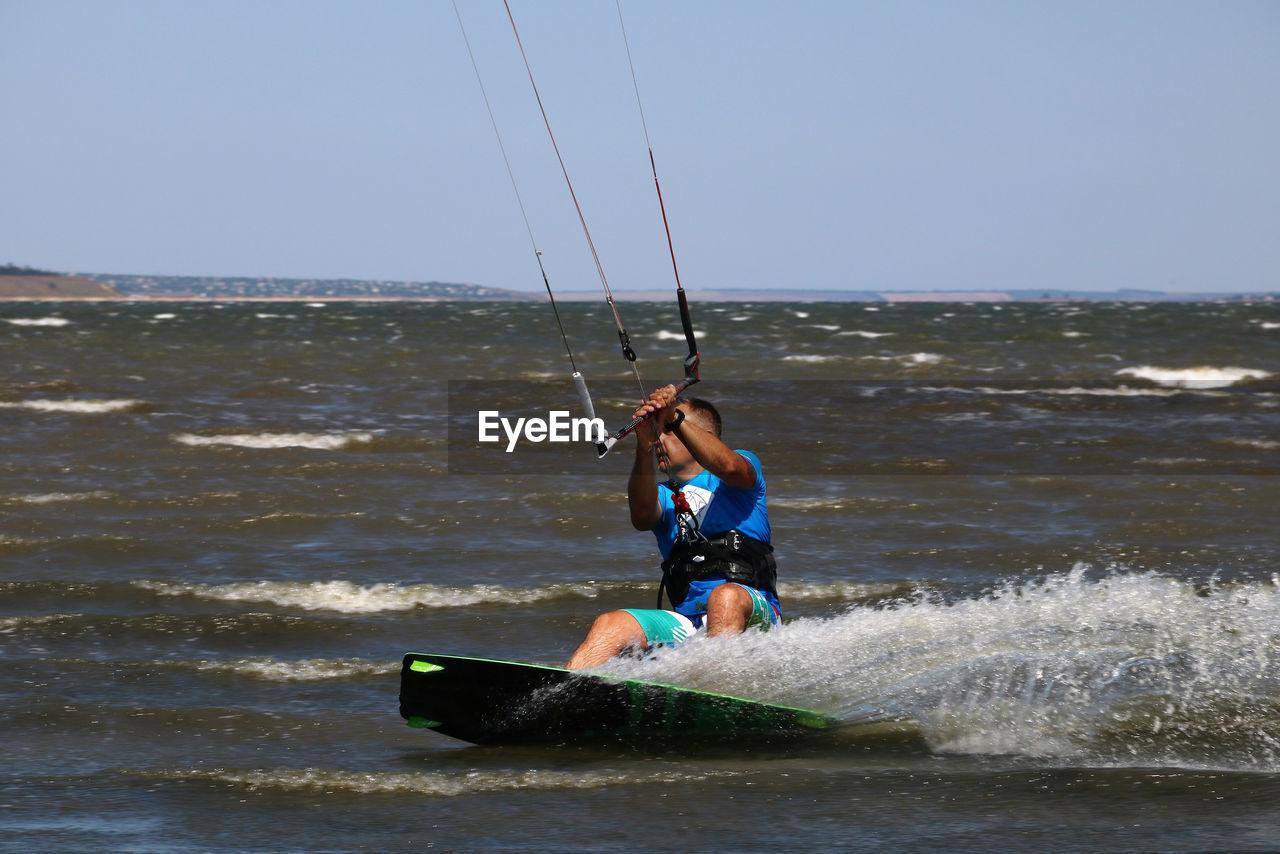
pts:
[667, 627]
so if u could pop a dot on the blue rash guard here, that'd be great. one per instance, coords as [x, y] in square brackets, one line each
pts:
[719, 508]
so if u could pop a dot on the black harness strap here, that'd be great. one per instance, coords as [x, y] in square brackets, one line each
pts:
[732, 555]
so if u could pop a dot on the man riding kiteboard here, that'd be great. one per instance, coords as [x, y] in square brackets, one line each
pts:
[711, 521]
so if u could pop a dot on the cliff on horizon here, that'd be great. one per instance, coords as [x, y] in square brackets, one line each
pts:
[29, 283]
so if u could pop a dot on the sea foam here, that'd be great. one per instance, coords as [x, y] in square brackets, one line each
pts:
[271, 441]
[350, 598]
[908, 358]
[57, 497]
[85, 407]
[435, 783]
[303, 670]
[1199, 377]
[811, 358]
[37, 321]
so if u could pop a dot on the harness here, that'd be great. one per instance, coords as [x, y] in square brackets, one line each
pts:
[732, 555]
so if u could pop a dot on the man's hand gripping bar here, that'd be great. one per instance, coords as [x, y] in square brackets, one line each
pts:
[691, 365]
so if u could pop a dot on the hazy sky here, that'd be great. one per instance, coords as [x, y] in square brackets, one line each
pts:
[809, 143]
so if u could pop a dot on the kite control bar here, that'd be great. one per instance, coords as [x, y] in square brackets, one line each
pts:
[692, 363]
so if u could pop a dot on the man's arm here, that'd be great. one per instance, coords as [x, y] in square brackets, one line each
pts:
[705, 447]
[715, 456]
[642, 486]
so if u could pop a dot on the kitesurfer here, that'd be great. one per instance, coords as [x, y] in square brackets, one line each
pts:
[711, 521]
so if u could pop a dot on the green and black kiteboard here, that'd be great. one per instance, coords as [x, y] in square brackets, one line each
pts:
[494, 702]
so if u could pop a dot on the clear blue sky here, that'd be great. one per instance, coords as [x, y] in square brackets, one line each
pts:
[816, 143]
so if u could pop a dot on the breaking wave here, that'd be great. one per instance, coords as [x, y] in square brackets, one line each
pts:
[269, 441]
[89, 407]
[1201, 377]
[440, 784]
[37, 321]
[55, 497]
[349, 598]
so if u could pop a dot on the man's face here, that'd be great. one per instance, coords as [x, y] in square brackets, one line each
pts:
[675, 455]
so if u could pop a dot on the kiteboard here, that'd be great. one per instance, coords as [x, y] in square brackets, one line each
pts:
[496, 702]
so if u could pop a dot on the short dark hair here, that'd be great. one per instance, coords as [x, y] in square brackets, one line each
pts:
[704, 408]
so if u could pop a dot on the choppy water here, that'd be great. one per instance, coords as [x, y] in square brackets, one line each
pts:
[1035, 541]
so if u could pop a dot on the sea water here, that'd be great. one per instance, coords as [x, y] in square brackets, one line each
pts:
[1027, 555]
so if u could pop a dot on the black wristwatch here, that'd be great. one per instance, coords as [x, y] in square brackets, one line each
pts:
[675, 422]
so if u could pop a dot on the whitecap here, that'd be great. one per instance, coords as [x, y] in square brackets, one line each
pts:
[664, 335]
[1199, 377]
[861, 333]
[909, 358]
[37, 321]
[1260, 444]
[350, 598]
[811, 358]
[271, 441]
[809, 503]
[303, 670]
[9, 624]
[58, 497]
[89, 407]
[1118, 391]
[849, 590]
[436, 783]
[1171, 462]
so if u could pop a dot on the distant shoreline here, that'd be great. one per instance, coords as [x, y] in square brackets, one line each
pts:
[622, 296]
[192, 289]
[154, 298]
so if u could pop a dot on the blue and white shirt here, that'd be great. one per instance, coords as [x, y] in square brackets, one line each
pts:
[718, 506]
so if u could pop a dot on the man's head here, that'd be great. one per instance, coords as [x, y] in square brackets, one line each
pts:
[701, 412]
[673, 456]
